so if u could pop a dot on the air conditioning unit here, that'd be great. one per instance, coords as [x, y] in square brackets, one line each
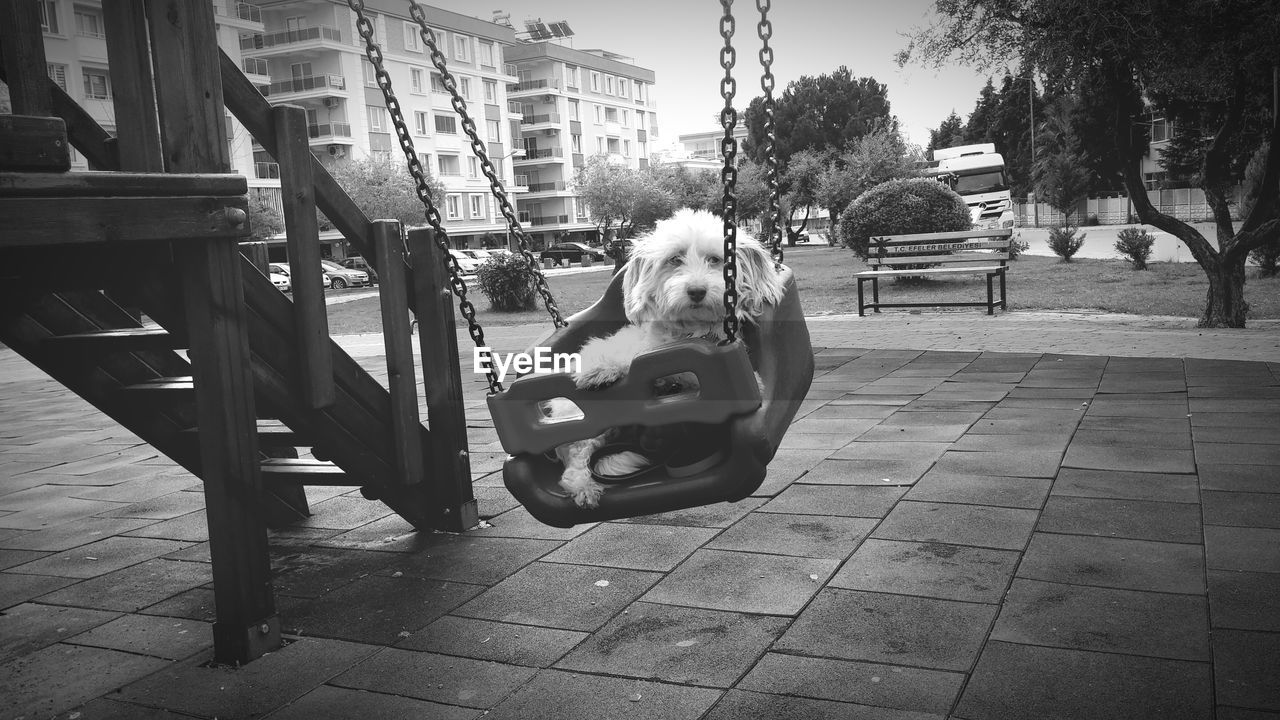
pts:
[548, 98]
[332, 103]
[337, 151]
[549, 131]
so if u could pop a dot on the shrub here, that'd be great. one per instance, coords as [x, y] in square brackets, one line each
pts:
[1063, 241]
[1268, 259]
[508, 281]
[1135, 244]
[900, 207]
[1017, 246]
[1091, 220]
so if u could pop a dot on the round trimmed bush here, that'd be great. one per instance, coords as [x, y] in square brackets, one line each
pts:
[902, 207]
[508, 281]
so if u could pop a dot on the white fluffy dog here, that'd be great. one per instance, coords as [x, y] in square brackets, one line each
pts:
[673, 289]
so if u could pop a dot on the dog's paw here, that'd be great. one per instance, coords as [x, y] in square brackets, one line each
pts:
[600, 375]
[585, 490]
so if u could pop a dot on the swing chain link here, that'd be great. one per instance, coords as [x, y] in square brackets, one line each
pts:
[765, 30]
[729, 175]
[486, 165]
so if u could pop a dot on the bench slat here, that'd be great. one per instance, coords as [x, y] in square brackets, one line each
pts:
[942, 236]
[944, 246]
[931, 259]
[932, 271]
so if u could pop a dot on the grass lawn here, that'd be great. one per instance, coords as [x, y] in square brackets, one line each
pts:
[826, 287]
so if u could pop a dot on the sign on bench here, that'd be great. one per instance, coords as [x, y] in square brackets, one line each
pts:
[974, 252]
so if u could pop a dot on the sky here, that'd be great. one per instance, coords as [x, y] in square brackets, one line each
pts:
[680, 41]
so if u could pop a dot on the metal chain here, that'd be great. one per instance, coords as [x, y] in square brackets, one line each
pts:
[729, 175]
[486, 165]
[765, 30]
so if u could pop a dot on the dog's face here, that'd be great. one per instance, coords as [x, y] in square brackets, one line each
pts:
[676, 273]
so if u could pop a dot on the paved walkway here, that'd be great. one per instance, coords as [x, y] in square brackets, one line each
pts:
[972, 518]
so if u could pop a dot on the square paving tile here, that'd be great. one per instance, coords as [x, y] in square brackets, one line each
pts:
[1217, 453]
[844, 500]
[572, 696]
[884, 686]
[902, 471]
[1105, 620]
[374, 609]
[632, 546]
[570, 597]
[1111, 517]
[302, 570]
[1131, 458]
[1160, 487]
[168, 638]
[1247, 669]
[135, 587]
[895, 450]
[816, 536]
[192, 527]
[471, 559]
[949, 572]
[72, 534]
[920, 434]
[742, 705]
[1239, 478]
[1015, 682]
[743, 582]
[1015, 492]
[44, 683]
[1027, 463]
[1237, 548]
[1244, 600]
[897, 629]
[978, 525]
[718, 515]
[683, 645]
[519, 523]
[336, 702]
[163, 507]
[1113, 562]
[786, 467]
[437, 678]
[16, 589]
[30, 626]
[500, 642]
[1012, 442]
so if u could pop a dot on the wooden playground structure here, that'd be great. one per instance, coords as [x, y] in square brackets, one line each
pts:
[228, 377]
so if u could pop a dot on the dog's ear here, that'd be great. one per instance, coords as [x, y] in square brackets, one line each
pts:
[638, 285]
[759, 283]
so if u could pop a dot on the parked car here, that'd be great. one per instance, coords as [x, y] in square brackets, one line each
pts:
[280, 272]
[573, 252]
[359, 263]
[466, 263]
[340, 277]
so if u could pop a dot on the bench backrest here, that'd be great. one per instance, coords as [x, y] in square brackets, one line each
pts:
[889, 251]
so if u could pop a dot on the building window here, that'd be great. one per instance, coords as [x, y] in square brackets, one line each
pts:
[464, 87]
[416, 80]
[626, 148]
[381, 156]
[599, 114]
[452, 207]
[49, 16]
[571, 76]
[97, 84]
[473, 166]
[639, 90]
[600, 145]
[626, 118]
[575, 142]
[437, 83]
[595, 81]
[425, 160]
[613, 146]
[412, 40]
[462, 48]
[495, 130]
[642, 148]
[491, 92]
[486, 54]
[370, 74]
[477, 206]
[420, 122]
[375, 118]
[447, 124]
[608, 84]
[58, 74]
[449, 166]
[580, 208]
[573, 110]
[88, 22]
[611, 115]
[623, 87]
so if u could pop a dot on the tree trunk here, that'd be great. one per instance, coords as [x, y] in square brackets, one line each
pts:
[1225, 306]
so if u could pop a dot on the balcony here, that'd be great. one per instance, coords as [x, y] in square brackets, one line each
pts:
[541, 154]
[642, 136]
[329, 132]
[515, 109]
[548, 220]
[553, 118]
[533, 86]
[256, 66]
[286, 38]
[519, 184]
[304, 84]
[547, 186]
[266, 170]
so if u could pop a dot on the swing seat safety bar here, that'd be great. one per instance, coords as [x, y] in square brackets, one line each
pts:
[726, 387]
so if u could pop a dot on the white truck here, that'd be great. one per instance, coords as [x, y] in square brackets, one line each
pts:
[976, 172]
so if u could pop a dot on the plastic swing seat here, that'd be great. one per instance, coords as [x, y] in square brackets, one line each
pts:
[744, 424]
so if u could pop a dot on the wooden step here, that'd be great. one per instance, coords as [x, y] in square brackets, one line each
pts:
[271, 433]
[121, 340]
[276, 471]
[163, 386]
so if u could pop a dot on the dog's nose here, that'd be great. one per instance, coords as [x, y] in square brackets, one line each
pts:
[696, 294]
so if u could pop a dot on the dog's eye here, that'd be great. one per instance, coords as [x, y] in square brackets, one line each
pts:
[675, 260]
[713, 260]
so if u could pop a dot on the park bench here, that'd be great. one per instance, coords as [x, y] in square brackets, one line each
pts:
[974, 252]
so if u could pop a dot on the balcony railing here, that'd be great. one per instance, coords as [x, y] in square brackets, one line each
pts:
[539, 119]
[525, 85]
[245, 11]
[521, 181]
[262, 41]
[329, 130]
[510, 69]
[304, 84]
[547, 186]
[515, 108]
[256, 66]
[266, 170]
[543, 153]
[548, 220]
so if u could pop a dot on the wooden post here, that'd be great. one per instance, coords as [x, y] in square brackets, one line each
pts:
[311, 320]
[190, 114]
[450, 468]
[401, 377]
[133, 87]
[24, 59]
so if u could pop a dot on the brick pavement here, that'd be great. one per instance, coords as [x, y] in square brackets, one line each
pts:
[972, 517]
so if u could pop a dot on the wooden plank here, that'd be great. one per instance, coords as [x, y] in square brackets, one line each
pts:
[87, 136]
[285, 471]
[189, 91]
[119, 184]
[133, 87]
[401, 377]
[943, 247]
[930, 271]
[939, 236]
[311, 319]
[126, 339]
[450, 464]
[931, 259]
[22, 55]
[34, 144]
[47, 222]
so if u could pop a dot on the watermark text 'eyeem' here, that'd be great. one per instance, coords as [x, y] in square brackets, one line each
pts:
[541, 360]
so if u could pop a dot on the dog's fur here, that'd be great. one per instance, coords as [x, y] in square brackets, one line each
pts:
[673, 289]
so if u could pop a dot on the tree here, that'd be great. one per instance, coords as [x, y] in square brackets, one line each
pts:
[949, 134]
[385, 190]
[264, 222]
[801, 182]
[691, 188]
[1059, 172]
[817, 113]
[1216, 56]
[877, 157]
[621, 196]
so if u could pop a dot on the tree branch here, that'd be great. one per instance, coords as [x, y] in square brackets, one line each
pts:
[1268, 190]
[1213, 168]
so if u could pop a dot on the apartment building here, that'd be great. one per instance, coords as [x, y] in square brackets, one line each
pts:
[574, 104]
